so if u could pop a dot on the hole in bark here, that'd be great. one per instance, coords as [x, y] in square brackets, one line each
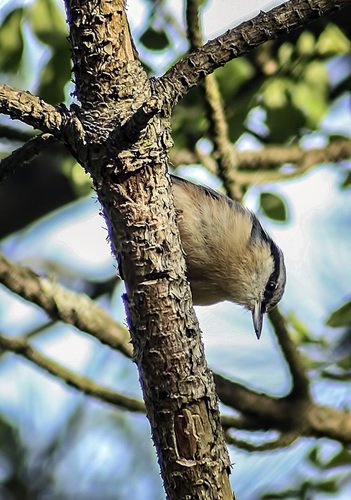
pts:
[163, 395]
[189, 333]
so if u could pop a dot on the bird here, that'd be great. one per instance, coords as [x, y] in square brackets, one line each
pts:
[228, 255]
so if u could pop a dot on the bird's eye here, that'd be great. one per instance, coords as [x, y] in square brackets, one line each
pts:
[271, 285]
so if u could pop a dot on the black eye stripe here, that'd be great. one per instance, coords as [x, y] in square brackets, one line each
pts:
[276, 282]
[272, 282]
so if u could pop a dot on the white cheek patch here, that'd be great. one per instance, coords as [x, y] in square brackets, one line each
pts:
[266, 271]
[260, 277]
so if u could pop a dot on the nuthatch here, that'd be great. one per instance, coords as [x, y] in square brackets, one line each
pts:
[228, 254]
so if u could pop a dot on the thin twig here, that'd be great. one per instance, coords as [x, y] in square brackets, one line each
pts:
[193, 29]
[61, 304]
[283, 441]
[21, 346]
[342, 377]
[35, 332]
[286, 415]
[226, 155]
[239, 41]
[260, 411]
[24, 154]
[300, 382]
[241, 422]
[271, 157]
[14, 134]
[227, 158]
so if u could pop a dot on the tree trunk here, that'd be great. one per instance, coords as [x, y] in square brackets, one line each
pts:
[122, 137]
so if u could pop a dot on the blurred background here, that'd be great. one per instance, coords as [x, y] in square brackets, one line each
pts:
[59, 444]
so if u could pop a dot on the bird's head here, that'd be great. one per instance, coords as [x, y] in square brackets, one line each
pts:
[262, 275]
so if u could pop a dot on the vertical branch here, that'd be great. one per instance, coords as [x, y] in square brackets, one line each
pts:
[98, 31]
[300, 383]
[226, 157]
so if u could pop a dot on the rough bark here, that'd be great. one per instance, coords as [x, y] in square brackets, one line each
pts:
[126, 153]
[244, 38]
[30, 109]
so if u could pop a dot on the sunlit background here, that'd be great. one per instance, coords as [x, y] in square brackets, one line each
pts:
[72, 446]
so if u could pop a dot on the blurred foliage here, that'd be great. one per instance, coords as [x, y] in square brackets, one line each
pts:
[347, 181]
[47, 22]
[12, 459]
[341, 316]
[48, 25]
[298, 330]
[307, 490]
[280, 94]
[11, 42]
[329, 485]
[339, 459]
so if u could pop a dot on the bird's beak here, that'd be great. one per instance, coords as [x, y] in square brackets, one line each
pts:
[257, 318]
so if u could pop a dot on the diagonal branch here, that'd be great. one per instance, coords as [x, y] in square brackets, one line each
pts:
[283, 441]
[259, 411]
[14, 134]
[32, 110]
[285, 415]
[72, 308]
[239, 41]
[24, 154]
[267, 411]
[21, 346]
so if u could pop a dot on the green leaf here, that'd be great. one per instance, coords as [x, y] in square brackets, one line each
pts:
[233, 76]
[332, 41]
[310, 93]
[48, 23]
[284, 123]
[341, 316]
[285, 53]
[11, 41]
[340, 459]
[273, 206]
[154, 40]
[283, 117]
[347, 180]
[188, 120]
[313, 457]
[311, 101]
[327, 485]
[306, 44]
[345, 363]
[316, 75]
[275, 92]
